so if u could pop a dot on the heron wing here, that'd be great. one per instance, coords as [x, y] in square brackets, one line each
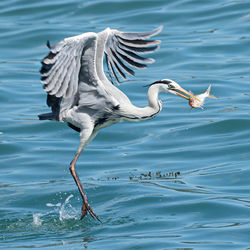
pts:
[61, 67]
[123, 49]
[69, 76]
[72, 70]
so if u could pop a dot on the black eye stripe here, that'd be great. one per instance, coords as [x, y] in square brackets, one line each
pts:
[160, 81]
[164, 81]
[167, 81]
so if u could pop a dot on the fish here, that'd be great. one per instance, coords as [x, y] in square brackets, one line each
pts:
[201, 98]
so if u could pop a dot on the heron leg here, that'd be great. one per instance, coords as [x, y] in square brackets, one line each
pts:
[85, 205]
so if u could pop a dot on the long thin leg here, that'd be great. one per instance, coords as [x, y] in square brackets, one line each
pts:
[85, 205]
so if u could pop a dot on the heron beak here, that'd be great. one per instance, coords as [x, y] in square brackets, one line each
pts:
[185, 94]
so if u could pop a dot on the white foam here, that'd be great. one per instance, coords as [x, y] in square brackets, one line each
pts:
[67, 211]
[37, 221]
[53, 205]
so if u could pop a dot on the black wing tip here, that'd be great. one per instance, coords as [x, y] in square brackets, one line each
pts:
[138, 42]
[127, 69]
[45, 67]
[144, 50]
[43, 78]
[131, 62]
[114, 74]
[48, 44]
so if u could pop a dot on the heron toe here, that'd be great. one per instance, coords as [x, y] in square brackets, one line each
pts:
[84, 211]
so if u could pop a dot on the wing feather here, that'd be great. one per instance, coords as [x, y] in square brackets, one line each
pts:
[57, 77]
[122, 49]
[62, 81]
[72, 88]
[141, 35]
[131, 55]
[116, 60]
[145, 50]
[49, 76]
[132, 62]
[113, 71]
[138, 43]
[60, 64]
[72, 72]
[66, 81]
[118, 69]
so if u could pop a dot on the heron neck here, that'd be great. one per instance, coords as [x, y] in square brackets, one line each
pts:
[153, 108]
[153, 100]
[154, 104]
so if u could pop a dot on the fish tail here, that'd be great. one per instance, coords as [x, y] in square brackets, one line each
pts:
[208, 89]
[208, 92]
[212, 96]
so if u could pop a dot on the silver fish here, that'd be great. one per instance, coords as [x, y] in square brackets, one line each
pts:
[201, 98]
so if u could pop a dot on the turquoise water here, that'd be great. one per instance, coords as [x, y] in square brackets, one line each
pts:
[205, 207]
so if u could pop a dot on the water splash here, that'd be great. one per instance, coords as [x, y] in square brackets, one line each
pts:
[67, 211]
[64, 210]
[54, 205]
[37, 221]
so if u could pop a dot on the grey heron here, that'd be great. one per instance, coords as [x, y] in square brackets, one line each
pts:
[80, 94]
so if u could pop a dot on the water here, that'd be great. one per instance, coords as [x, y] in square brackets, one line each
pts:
[205, 207]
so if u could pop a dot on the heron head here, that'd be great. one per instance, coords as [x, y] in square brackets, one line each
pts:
[172, 87]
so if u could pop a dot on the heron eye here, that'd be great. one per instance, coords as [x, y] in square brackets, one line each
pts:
[171, 86]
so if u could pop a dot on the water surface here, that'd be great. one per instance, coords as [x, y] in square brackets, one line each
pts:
[206, 206]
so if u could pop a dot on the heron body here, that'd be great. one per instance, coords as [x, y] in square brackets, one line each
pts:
[80, 94]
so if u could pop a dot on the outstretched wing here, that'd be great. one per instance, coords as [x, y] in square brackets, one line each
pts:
[123, 49]
[61, 67]
[72, 72]
[69, 76]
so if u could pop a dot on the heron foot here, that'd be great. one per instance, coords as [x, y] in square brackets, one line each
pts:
[85, 205]
[86, 208]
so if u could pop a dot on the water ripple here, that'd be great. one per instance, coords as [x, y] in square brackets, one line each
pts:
[205, 205]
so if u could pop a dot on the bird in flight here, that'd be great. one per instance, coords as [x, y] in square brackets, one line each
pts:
[80, 94]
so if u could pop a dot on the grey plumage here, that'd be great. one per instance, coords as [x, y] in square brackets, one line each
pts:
[70, 71]
[80, 94]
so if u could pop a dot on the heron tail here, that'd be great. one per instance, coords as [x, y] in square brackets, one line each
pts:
[46, 116]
